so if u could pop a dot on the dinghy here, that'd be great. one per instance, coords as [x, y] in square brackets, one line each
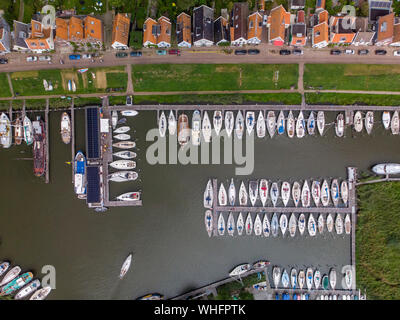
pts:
[309, 278]
[125, 154]
[208, 220]
[266, 226]
[263, 191]
[274, 193]
[293, 278]
[249, 224]
[123, 129]
[171, 123]
[222, 197]
[129, 113]
[357, 122]
[321, 122]
[253, 192]
[300, 126]
[321, 223]
[302, 223]
[292, 225]
[260, 125]
[123, 176]
[386, 168]
[257, 226]
[271, 123]
[240, 224]
[335, 192]
[242, 195]
[206, 127]
[196, 128]
[311, 124]
[232, 193]
[221, 225]
[369, 121]
[312, 228]
[301, 279]
[386, 119]
[395, 123]
[348, 278]
[162, 124]
[332, 278]
[329, 223]
[281, 123]
[276, 276]
[229, 122]
[325, 283]
[114, 119]
[344, 191]
[217, 121]
[316, 192]
[208, 195]
[339, 224]
[239, 270]
[290, 125]
[239, 125]
[296, 193]
[285, 279]
[347, 224]
[305, 195]
[124, 144]
[285, 192]
[231, 224]
[122, 137]
[325, 194]
[339, 125]
[317, 279]
[250, 120]
[123, 164]
[283, 222]
[274, 225]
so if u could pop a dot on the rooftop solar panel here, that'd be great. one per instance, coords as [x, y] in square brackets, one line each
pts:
[92, 133]
[93, 184]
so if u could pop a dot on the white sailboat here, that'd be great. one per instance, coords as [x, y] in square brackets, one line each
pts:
[302, 223]
[271, 123]
[317, 279]
[281, 123]
[344, 191]
[347, 224]
[253, 192]
[221, 225]
[231, 224]
[290, 125]
[339, 125]
[283, 223]
[123, 164]
[196, 127]
[285, 192]
[249, 224]
[222, 197]
[240, 224]
[263, 191]
[311, 124]
[369, 121]
[312, 228]
[250, 121]
[316, 192]
[206, 127]
[129, 113]
[332, 278]
[260, 125]
[122, 136]
[325, 194]
[274, 225]
[123, 129]
[321, 223]
[239, 125]
[335, 192]
[300, 126]
[217, 120]
[171, 123]
[274, 193]
[292, 225]
[125, 266]
[386, 119]
[305, 195]
[357, 122]
[296, 193]
[321, 122]
[114, 119]
[329, 223]
[395, 123]
[229, 122]
[208, 220]
[232, 193]
[123, 176]
[266, 226]
[127, 154]
[243, 195]
[208, 195]
[162, 124]
[257, 226]
[339, 224]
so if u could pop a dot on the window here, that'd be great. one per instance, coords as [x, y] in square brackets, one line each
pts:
[317, 34]
[251, 24]
[91, 31]
[384, 26]
[42, 44]
[342, 39]
[144, 27]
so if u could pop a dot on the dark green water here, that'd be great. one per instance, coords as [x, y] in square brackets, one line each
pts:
[47, 225]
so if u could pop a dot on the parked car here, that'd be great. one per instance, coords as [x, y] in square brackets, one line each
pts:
[31, 58]
[253, 51]
[44, 58]
[380, 52]
[335, 52]
[121, 54]
[74, 57]
[128, 100]
[174, 51]
[161, 52]
[363, 52]
[297, 52]
[284, 52]
[240, 52]
[396, 53]
[348, 51]
[3, 61]
[86, 56]
[136, 53]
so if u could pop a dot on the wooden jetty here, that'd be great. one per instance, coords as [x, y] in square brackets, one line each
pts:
[47, 146]
[72, 110]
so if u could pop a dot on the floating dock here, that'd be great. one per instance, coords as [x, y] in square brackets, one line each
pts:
[47, 146]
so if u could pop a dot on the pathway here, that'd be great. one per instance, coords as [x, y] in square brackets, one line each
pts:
[129, 87]
[10, 84]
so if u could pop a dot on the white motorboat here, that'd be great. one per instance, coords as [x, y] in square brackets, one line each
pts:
[344, 191]
[263, 191]
[280, 123]
[348, 278]
[162, 124]
[217, 121]
[357, 122]
[285, 279]
[123, 129]
[301, 279]
[249, 224]
[123, 164]
[325, 194]
[335, 192]
[221, 225]
[339, 224]
[276, 276]
[386, 168]
[232, 193]
[285, 192]
[129, 113]
[127, 154]
[206, 127]
[386, 119]
[28, 131]
[321, 122]
[292, 225]
[332, 278]
[125, 266]
[208, 220]
[239, 270]
[196, 128]
[369, 121]
[316, 192]
[124, 144]
[229, 122]
[27, 290]
[266, 226]
[283, 223]
[114, 119]
[253, 192]
[230, 224]
[305, 195]
[183, 130]
[129, 196]
[5, 131]
[300, 126]
[296, 193]
[123, 176]
[260, 127]
[250, 121]
[329, 223]
[312, 227]
[274, 193]
[239, 125]
[317, 279]
[208, 195]
[395, 123]
[41, 294]
[243, 195]
[274, 225]
[311, 124]
[257, 226]
[222, 197]
[321, 223]
[347, 224]
[339, 125]
[240, 224]
[271, 123]
[171, 123]
[290, 125]
[302, 223]
[122, 137]
[65, 128]
[293, 278]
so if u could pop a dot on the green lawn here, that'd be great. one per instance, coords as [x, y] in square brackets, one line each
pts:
[352, 99]
[5, 88]
[234, 288]
[352, 77]
[28, 83]
[378, 240]
[206, 77]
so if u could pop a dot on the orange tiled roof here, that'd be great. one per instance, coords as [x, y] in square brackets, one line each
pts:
[148, 35]
[320, 33]
[62, 29]
[186, 23]
[385, 27]
[165, 32]
[323, 16]
[342, 37]
[38, 37]
[121, 26]
[279, 20]
[76, 29]
[339, 33]
[300, 16]
[254, 26]
[93, 29]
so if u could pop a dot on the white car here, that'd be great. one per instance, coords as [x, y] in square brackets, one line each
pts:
[396, 53]
[31, 58]
[44, 58]
[349, 51]
[86, 56]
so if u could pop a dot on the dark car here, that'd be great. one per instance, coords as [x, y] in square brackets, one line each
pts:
[335, 52]
[297, 52]
[380, 52]
[136, 53]
[363, 52]
[174, 51]
[3, 61]
[284, 52]
[253, 51]
[240, 52]
[121, 54]
[74, 57]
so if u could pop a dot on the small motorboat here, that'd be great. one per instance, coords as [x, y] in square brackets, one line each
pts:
[123, 176]
[239, 125]
[258, 226]
[229, 122]
[344, 191]
[240, 224]
[316, 192]
[302, 223]
[274, 193]
[208, 220]
[325, 194]
[271, 123]
[129, 196]
[27, 290]
[123, 164]
[16, 283]
[329, 223]
[206, 127]
[283, 223]
[221, 225]
[395, 123]
[183, 130]
[339, 125]
[162, 124]
[260, 127]
[325, 283]
[266, 226]
[285, 192]
[290, 125]
[125, 266]
[321, 122]
[293, 278]
[114, 118]
[125, 154]
[335, 192]
[122, 137]
[311, 124]
[217, 121]
[263, 191]
[357, 122]
[369, 121]
[123, 129]
[5, 131]
[280, 123]
[230, 224]
[129, 113]
[10, 275]
[332, 278]
[261, 264]
[339, 224]
[348, 278]
[300, 126]
[171, 123]
[301, 279]
[321, 223]
[309, 278]
[274, 225]
[296, 193]
[253, 192]
[28, 130]
[196, 128]
[249, 224]
[386, 168]
[4, 267]
[65, 126]
[305, 195]
[312, 228]
[276, 276]
[41, 294]
[222, 197]
[124, 144]
[386, 119]
[347, 224]
[232, 193]
[292, 225]
[317, 279]
[285, 278]
[250, 121]
[240, 269]
[243, 195]
[208, 195]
